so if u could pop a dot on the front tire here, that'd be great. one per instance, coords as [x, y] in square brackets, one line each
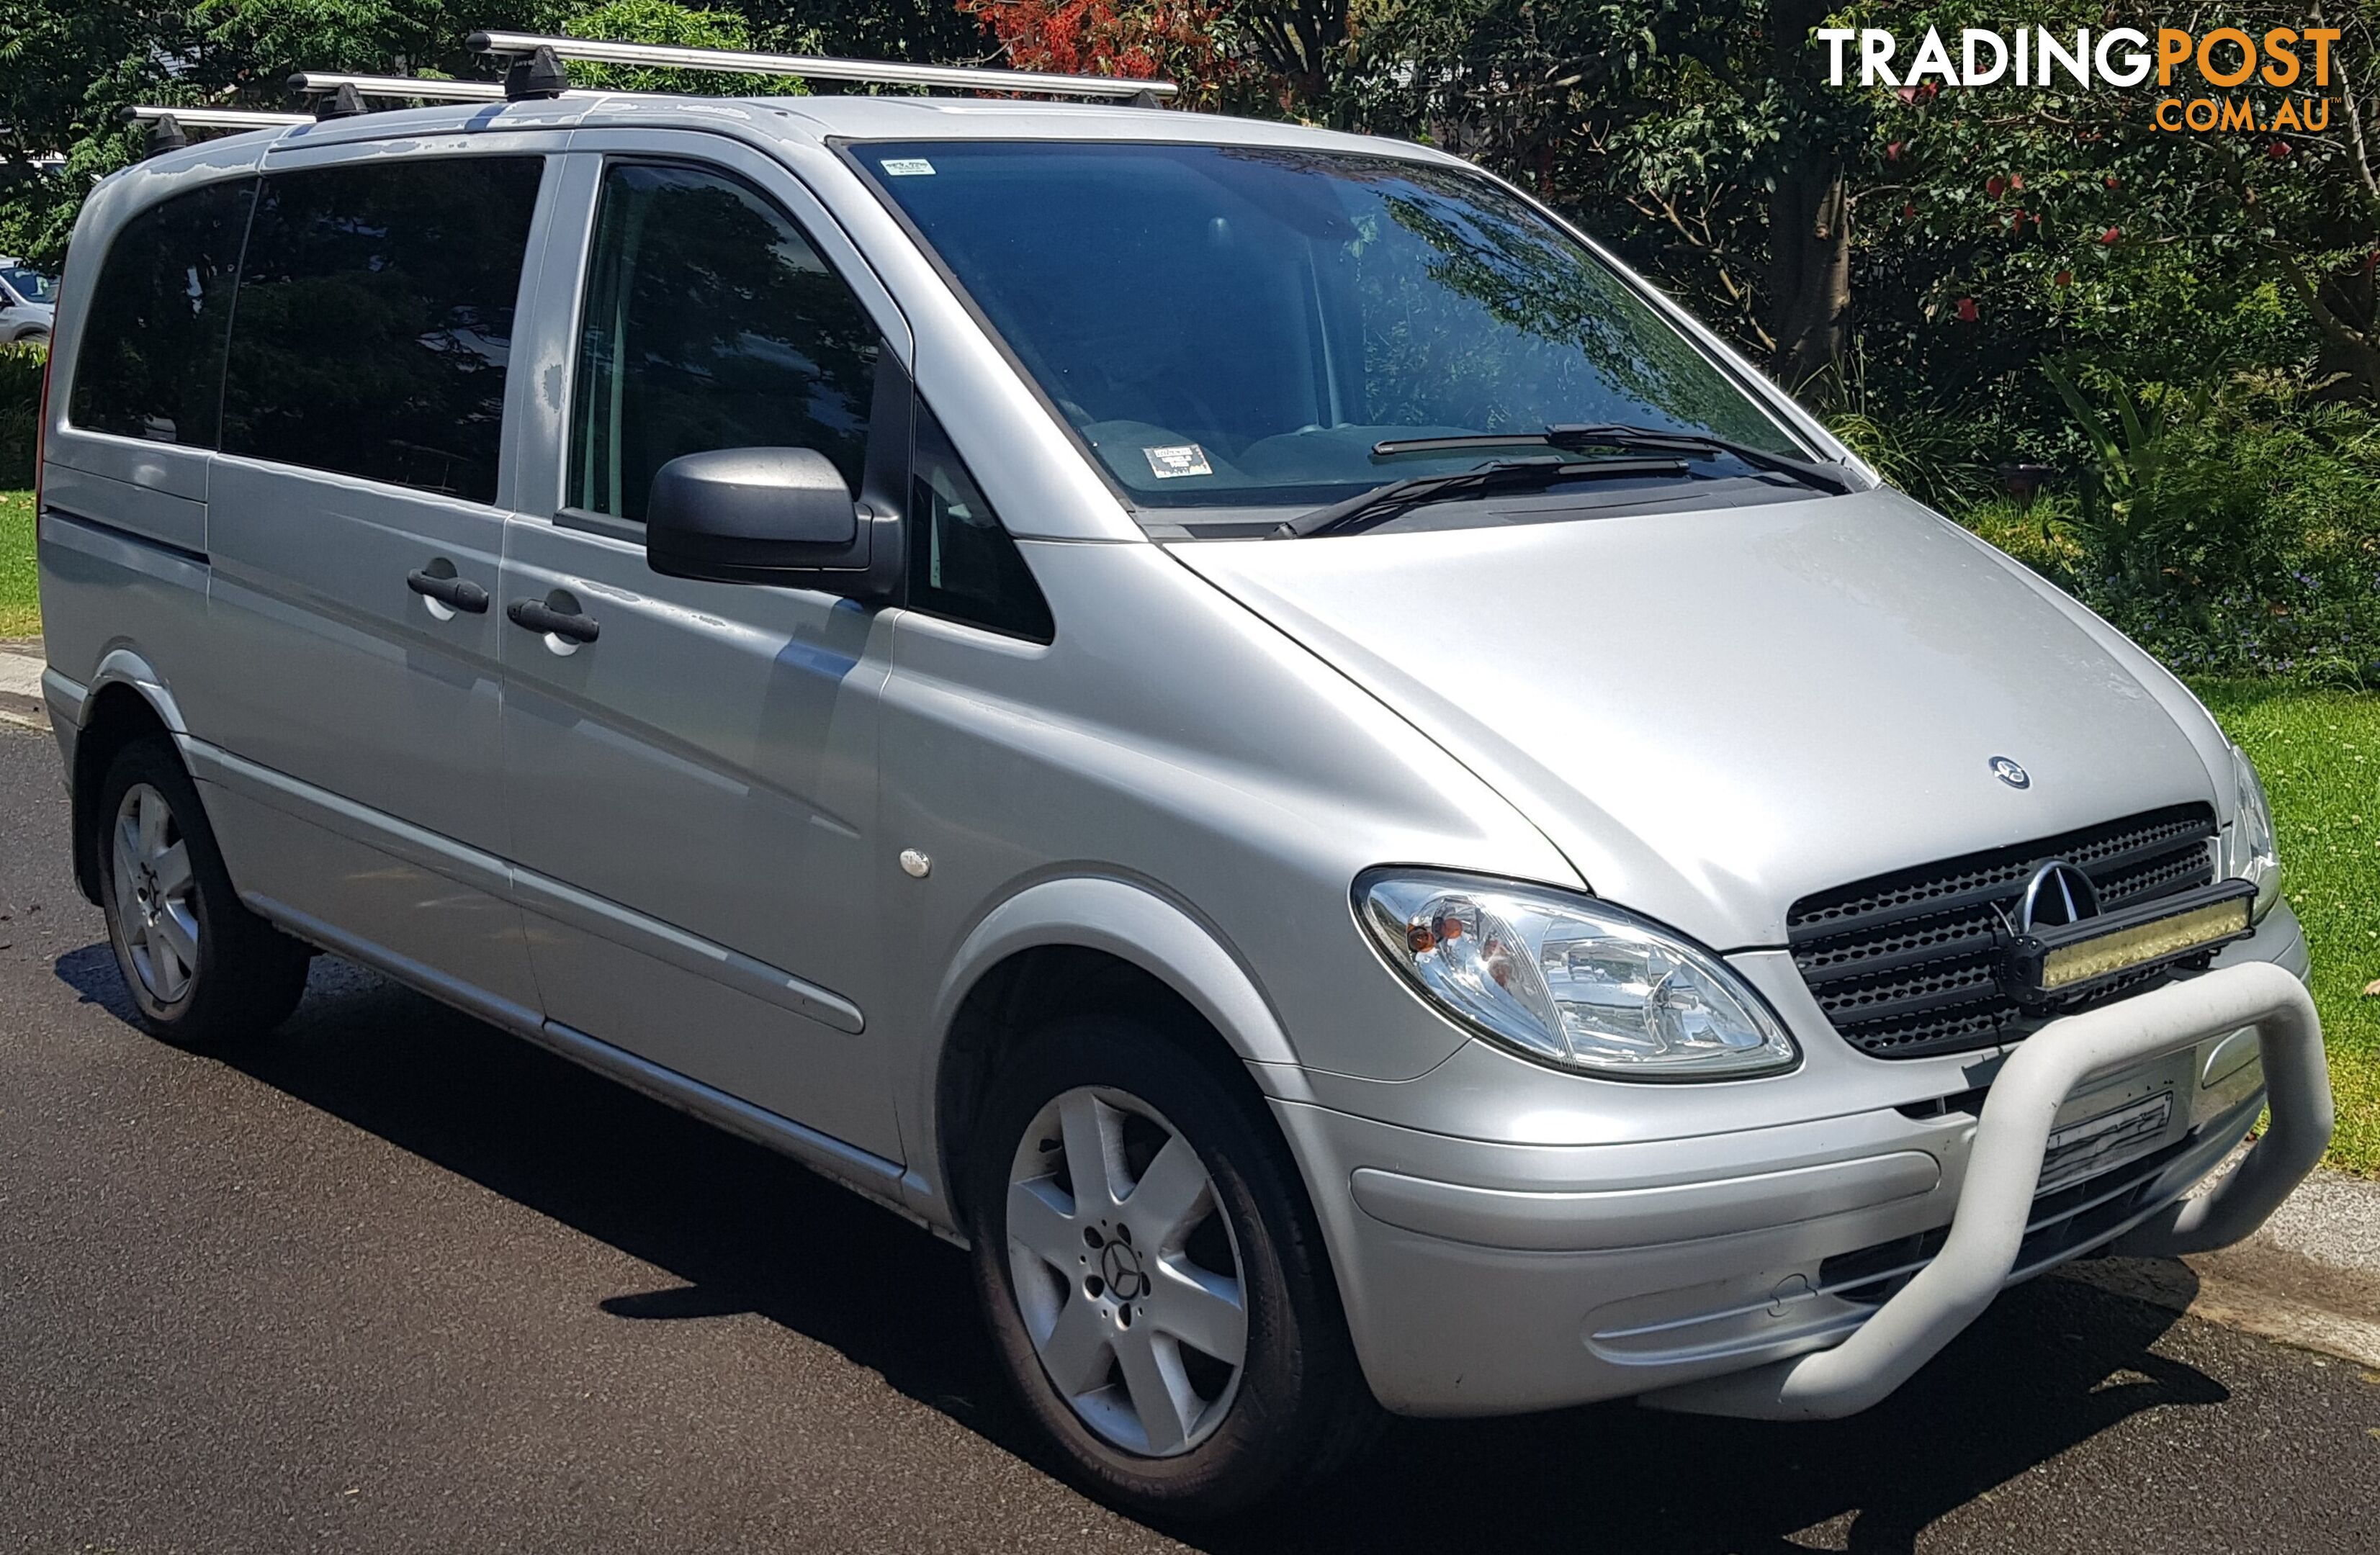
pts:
[202, 969]
[1153, 1277]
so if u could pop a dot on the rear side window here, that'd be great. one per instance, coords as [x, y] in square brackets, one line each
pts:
[710, 322]
[152, 356]
[375, 319]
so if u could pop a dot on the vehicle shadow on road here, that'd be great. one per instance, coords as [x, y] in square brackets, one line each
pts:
[2053, 1363]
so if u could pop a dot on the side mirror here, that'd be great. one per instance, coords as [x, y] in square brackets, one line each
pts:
[766, 515]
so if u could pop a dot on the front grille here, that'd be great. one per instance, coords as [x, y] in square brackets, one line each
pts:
[1907, 964]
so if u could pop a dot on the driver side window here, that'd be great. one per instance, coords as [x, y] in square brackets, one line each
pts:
[710, 322]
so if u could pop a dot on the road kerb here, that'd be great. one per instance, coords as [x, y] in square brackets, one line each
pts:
[2180, 1285]
[20, 686]
[2311, 1277]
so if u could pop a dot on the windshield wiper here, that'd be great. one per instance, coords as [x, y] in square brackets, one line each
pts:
[1384, 502]
[1832, 478]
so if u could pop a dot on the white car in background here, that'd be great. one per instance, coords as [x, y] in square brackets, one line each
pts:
[28, 302]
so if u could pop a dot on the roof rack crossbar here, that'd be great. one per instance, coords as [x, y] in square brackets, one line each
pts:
[410, 88]
[217, 118]
[737, 62]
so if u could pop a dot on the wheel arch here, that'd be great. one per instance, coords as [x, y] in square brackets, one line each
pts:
[126, 700]
[1080, 944]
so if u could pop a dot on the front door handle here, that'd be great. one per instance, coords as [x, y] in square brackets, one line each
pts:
[456, 594]
[540, 616]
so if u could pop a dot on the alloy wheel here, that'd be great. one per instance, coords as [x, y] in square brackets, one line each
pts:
[155, 889]
[1126, 1271]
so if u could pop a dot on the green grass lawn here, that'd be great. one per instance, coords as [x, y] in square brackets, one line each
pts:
[20, 612]
[2319, 754]
[2319, 751]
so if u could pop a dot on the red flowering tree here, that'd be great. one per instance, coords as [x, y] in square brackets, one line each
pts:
[1137, 39]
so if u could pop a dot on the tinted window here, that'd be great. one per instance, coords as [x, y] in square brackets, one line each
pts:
[710, 322]
[151, 363]
[1230, 325]
[375, 316]
[961, 563]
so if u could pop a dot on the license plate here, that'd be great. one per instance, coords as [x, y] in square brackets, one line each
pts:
[2079, 1150]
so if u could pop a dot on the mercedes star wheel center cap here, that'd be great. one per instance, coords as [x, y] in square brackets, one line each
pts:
[1120, 1265]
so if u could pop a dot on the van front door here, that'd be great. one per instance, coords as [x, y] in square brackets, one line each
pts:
[691, 768]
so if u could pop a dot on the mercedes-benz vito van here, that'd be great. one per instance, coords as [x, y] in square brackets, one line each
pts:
[1235, 717]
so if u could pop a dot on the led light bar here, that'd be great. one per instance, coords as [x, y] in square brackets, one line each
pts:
[217, 118]
[410, 87]
[736, 62]
[2121, 951]
[2096, 952]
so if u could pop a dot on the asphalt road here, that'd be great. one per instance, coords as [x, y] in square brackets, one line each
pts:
[394, 1280]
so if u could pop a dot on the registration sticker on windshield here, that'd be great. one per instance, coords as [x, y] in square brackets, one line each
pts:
[907, 167]
[1182, 459]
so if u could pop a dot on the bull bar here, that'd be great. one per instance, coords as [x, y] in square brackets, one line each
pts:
[2004, 1171]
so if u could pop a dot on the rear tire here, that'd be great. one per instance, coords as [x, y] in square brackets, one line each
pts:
[1172, 1327]
[202, 969]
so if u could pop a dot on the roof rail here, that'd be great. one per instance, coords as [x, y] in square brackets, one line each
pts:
[215, 118]
[413, 88]
[737, 62]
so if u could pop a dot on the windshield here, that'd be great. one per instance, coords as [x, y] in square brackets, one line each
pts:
[31, 284]
[1235, 326]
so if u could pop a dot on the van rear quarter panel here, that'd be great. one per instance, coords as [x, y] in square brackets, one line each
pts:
[123, 534]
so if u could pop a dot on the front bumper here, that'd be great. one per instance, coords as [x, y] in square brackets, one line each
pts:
[1807, 1268]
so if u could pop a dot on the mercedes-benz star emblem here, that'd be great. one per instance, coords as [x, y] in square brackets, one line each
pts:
[1120, 1265]
[2006, 770]
[2059, 894]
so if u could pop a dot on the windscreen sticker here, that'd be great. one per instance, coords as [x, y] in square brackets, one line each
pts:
[1183, 459]
[907, 167]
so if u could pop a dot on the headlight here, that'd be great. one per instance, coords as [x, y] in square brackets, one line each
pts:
[2249, 850]
[1570, 980]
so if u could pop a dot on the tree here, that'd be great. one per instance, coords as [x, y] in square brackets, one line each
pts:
[67, 67]
[1694, 134]
[1809, 202]
[2038, 221]
[1139, 39]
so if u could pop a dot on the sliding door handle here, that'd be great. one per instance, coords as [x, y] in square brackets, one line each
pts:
[456, 594]
[540, 616]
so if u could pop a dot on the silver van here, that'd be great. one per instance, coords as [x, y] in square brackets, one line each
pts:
[1236, 717]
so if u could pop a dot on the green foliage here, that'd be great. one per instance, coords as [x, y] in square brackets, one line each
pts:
[2319, 754]
[2131, 497]
[2036, 534]
[21, 398]
[2230, 530]
[664, 21]
[1999, 229]
[1925, 451]
[67, 67]
[1666, 128]
[20, 603]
